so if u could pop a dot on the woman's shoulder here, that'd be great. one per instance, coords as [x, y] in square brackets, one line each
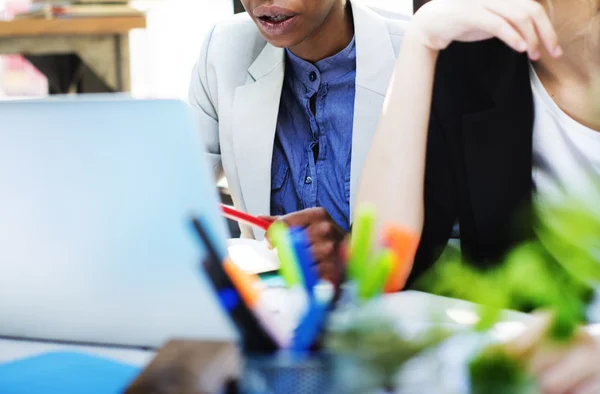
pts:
[231, 46]
[235, 35]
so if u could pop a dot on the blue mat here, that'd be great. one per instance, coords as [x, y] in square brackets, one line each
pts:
[65, 373]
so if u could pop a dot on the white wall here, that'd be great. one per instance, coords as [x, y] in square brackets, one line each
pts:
[403, 6]
[163, 55]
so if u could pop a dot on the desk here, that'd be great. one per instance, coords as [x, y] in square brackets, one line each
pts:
[441, 370]
[83, 55]
[412, 308]
[12, 350]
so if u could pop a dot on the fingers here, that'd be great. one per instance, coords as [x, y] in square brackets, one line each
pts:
[321, 230]
[524, 344]
[342, 252]
[589, 386]
[498, 26]
[269, 218]
[544, 27]
[518, 17]
[329, 271]
[576, 367]
[324, 236]
[305, 217]
[325, 239]
[532, 23]
[560, 368]
[524, 25]
[546, 357]
[317, 224]
[324, 250]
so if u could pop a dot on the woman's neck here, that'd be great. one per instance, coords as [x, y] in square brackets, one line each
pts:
[573, 80]
[334, 34]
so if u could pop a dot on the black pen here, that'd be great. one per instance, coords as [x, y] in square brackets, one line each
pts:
[255, 339]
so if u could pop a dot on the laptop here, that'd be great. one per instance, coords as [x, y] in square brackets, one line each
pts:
[96, 245]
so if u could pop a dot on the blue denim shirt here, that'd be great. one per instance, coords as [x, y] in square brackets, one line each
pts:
[313, 140]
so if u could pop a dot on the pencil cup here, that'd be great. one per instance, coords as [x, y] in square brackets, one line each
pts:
[286, 373]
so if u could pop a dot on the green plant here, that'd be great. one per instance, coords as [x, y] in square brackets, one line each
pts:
[494, 372]
[555, 271]
[374, 341]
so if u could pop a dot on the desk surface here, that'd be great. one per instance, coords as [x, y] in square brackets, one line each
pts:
[11, 350]
[75, 26]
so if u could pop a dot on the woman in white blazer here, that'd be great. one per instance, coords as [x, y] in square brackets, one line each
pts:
[242, 83]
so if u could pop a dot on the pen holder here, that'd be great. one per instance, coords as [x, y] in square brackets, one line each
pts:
[286, 373]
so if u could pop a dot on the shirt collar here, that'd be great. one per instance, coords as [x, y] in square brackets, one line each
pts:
[325, 70]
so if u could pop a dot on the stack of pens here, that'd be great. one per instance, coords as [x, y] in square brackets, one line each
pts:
[372, 271]
[297, 268]
[254, 315]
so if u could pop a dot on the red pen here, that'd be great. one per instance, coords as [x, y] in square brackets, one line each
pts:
[242, 217]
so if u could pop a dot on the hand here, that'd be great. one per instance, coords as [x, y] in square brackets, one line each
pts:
[570, 368]
[325, 238]
[523, 25]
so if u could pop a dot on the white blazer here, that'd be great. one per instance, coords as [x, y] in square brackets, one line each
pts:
[236, 88]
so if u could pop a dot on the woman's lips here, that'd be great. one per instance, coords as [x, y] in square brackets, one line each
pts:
[275, 20]
[277, 26]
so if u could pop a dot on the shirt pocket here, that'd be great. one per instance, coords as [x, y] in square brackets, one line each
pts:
[279, 178]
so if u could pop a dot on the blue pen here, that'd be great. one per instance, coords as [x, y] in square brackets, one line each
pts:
[308, 331]
[311, 325]
[301, 247]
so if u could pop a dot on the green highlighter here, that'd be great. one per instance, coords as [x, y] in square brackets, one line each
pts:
[372, 284]
[289, 268]
[360, 241]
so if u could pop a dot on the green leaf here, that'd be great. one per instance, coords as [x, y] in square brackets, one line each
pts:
[363, 333]
[494, 372]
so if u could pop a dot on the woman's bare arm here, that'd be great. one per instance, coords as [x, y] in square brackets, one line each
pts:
[392, 179]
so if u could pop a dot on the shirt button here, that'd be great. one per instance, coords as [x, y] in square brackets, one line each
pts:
[312, 76]
[308, 180]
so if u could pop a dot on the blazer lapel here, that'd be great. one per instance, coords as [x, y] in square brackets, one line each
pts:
[497, 144]
[255, 110]
[375, 60]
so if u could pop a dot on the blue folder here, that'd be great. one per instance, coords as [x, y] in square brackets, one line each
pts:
[66, 373]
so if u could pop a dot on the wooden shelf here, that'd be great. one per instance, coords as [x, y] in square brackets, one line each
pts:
[75, 26]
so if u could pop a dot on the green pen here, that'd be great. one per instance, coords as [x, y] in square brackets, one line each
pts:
[360, 241]
[376, 277]
[289, 268]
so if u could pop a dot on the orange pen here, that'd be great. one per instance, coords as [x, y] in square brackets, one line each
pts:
[404, 244]
[247, 287]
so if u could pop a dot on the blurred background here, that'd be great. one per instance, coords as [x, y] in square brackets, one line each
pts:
[159, 58]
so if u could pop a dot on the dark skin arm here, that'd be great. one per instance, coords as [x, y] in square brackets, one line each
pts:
[325, 237]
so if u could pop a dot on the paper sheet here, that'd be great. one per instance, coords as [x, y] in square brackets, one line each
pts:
[252, 256]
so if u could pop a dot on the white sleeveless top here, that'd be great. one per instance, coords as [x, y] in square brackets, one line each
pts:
[566, 159]
[566, 154]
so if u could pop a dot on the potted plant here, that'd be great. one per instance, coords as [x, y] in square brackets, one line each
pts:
[556, 271]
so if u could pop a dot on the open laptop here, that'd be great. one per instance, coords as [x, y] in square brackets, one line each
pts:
[96, 245]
